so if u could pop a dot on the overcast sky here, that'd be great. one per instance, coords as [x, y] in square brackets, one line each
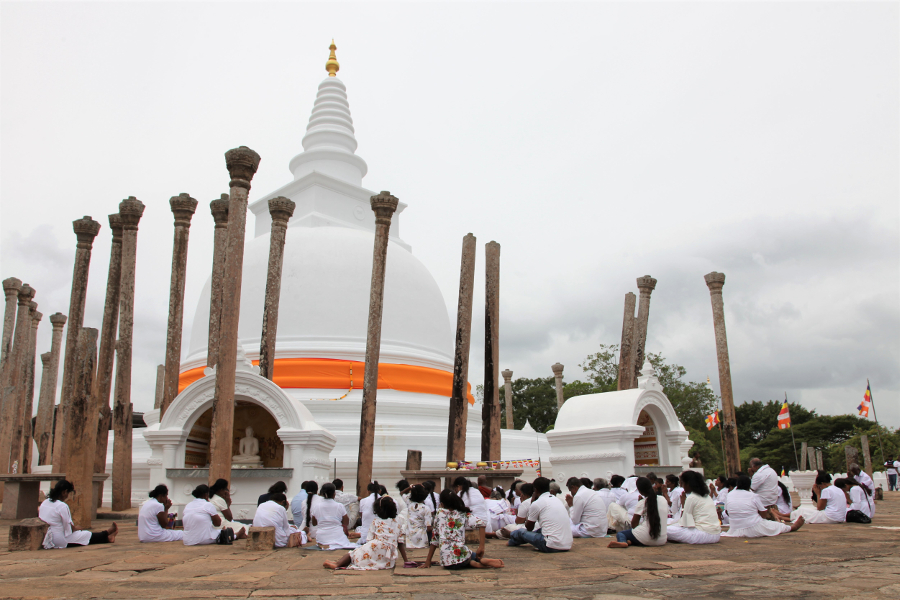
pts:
[595, 142]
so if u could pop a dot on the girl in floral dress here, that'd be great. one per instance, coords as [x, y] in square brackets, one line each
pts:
[419, 518]
[386, 536]
[449, 534]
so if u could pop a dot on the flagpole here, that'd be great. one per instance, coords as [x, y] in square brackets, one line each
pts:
[875, 414]
[722, 441]
[793, 441]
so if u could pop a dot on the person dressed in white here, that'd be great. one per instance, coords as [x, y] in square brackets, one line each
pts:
[649, 520]
[764, 483]
[273, 513]
[699, 523]
[473, 499]
[499, 509]
[304, 511]
[675, 493]
[601, 488]
[749, 516]
[861, 477]
[330, 519]
[420, 518]
[525, 492]
[860, 498]
[350, 502]
[630, 484]
[62, 533]
[555, 532]
[616, 489]
[588, 511]
[785, 504]
[432, 500]
[220, 497]
[831, 506]
[201, 521]
[153, 518]
[620, 512]
[367, 510]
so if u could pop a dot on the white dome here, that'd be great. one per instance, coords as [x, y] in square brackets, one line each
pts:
[324, 305]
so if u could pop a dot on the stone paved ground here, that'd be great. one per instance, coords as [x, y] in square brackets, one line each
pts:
[819, 561]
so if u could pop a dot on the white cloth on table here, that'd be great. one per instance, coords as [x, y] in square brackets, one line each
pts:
[149, 529]
[221, 505]
[419, 519]
[329, 515]
[380, 548]
[642, 531]
[272, 514]
[367, 512]
[198, 525]
[555, 524]
[765, 485]
[588, 514]
[861, 501]
[473, 499]
[61, 533]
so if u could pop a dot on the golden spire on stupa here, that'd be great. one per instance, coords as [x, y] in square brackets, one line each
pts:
[332, 65]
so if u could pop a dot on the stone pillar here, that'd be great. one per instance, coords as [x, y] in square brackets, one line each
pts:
[852, 456]
[86, 229]
[646, 285]
[626, 364]
[281, 209]
[27, 461]
[812, 458]
[558, 375]
[13, 386]
[459, 402]
[11, 288]
[183, 207]
[219, 209]
[242, 164]
[45, 410]
[104, 378]
[715, 281]
[22, 387]
[490, 411]
[160, 384]
[81, 424]
[803, 457]
[130, 211]
[45, 437]
[820, 460]
[867, 457]
[507, 389]
[383, 205]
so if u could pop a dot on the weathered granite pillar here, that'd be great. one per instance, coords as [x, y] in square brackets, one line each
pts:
[219, 209]
[242, 164]
[45, 439]
[812, 458]
[490, 410]
[852, 456]
[820, 460]
[383, 205]
[646, 285]
[81, 424]
[558, 375]
[45, 409]
[281, 209]
[507, 389]
[104, 378]
[27, 460]
[459, 401]
[867, 457]
[160, 383]
[130, 212]
[22, 387]
[14, 385]
[715, 281]
[86, 229]
[626, 364]
[803, 455]
[11, 288]
[183, 207]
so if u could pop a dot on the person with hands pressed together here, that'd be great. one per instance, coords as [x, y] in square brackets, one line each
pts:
[555, 533]
[153, 518]
[588, 510]
[449, 535]
[220, 497]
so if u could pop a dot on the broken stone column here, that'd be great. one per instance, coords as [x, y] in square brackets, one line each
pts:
[507, 389]
[13, 387]
[383, 205]
[490, 410]
[812, 459]
[852, 456]
[103, 380]
[219, 209]
[160, 383]
[626, 364]
[45, 410]
[81, 425]
[86, 229]
[715, 281]
[27, 535]
[646, 285]
[27, 460]
[803, 456]
[459, 402]
[47, 399]
[11, 288]
[242, 164]
[183, 207]
[558, 375]
[130, 212]
[820, 460]
[281, 209]
[867, 457]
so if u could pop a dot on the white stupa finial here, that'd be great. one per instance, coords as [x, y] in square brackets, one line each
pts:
[648, 379]
[527, 426]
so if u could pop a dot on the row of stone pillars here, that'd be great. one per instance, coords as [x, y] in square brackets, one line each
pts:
[634, 333]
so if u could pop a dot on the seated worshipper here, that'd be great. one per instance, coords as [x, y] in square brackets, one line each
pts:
[279, 487]
[831, 503]
[649, 521]
[384, 539]
[305, 510]
[513, 496]
[220, 497]
[556, 492]
[202, 522]
[499, 510]
[699, 523]
[862, 478]
[601, 488]
[620, 512]
[525, 492]
[419, 518]
[588, 511]
[785, 505]
[451, 521]
[153, 518]
[765, 484]
[675, 492]
[62, 533]
[616, 482]
[472, 498]
[861, 498]
[367, 508]
[431, 498]
[329, 517]
[483, 487]
[747, 514]
[350, 502]
[555, 532]
[273, 513]
[297, 502]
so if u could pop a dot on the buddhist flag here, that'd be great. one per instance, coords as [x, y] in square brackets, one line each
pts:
[866, 403]
[784, 417]
[712, 420]
[782, 472]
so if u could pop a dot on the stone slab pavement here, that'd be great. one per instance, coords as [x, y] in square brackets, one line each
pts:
[819, 561]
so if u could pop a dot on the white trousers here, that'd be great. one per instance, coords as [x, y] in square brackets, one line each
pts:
[690, 535]
[618, 518]
[762, 529]
[811, 515]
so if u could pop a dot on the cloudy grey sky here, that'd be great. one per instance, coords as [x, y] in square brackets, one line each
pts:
[596, 142]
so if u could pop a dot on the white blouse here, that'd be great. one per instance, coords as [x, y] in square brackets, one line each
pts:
[149, 529]
[475, 502]
[61, 533]
[329, 515]
[272, 514]
[700, 512]
[198, 525]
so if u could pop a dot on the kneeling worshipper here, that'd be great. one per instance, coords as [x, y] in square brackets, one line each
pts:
[419, 518]
[699, 523]
[649, 527]
[201, 521]
[499, 510]
[451, 521]
[620, 512]
[749, 515]
[555, 532]
[153, 518]
[472, 498]
[588, 514]
[831, 503]
[62, 533]
[384, 539]
[861, 498]
[220, 497]
[273, 513]
[675, 494]
[524, 492]
[330, 519]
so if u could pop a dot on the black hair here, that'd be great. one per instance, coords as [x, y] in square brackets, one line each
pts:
[338, 484]
[278, 486]
[723, 479]
[694, 481]
[541, 485]
[573, 482]
[451, 501]
[732, 481]
[527, 489]
[743, 483]
[511, 496]
[462, 482]
[417, 493]
[200, 491]
[651, 476]
[673, 479]
[220, 484]
[823, 477]
[616, 481]
[402, 485]
[429, 487]
[279, 498]
[311, 489]
[586, 482]
[385, 508]
[374, 488]
[382, 490]
[328, 491]
[844, 482]
[645, 488]
[160, 490]
[786, 494]
[63, 485]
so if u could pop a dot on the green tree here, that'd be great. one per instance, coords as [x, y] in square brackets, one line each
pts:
[756, 419]
[533, 400]
[602, 369]
[693, 401]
